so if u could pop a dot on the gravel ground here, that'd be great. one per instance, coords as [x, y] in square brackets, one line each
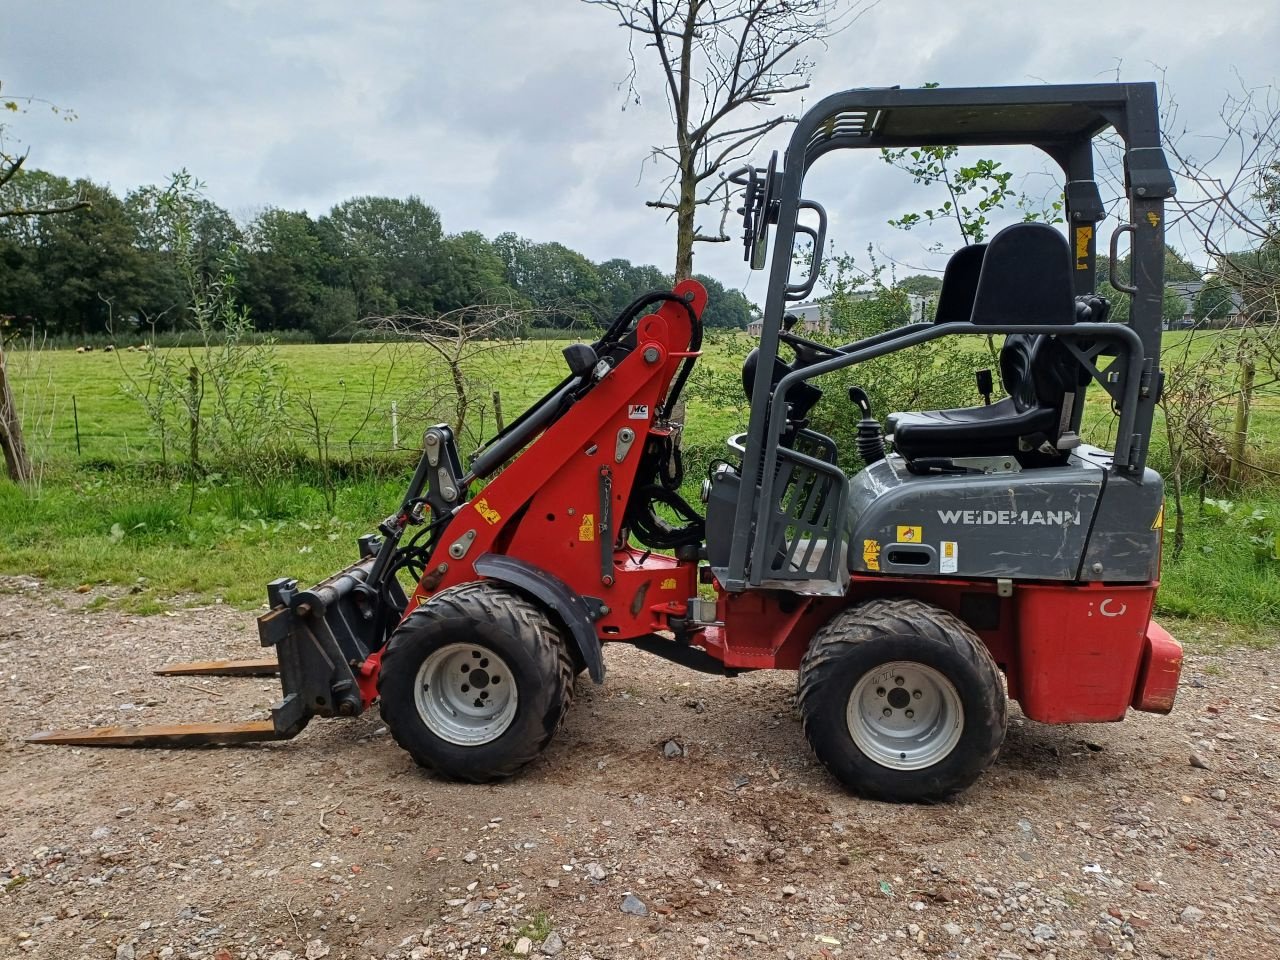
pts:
[1081, 841]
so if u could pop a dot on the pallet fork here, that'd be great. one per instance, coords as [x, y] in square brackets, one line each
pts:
[321, 636]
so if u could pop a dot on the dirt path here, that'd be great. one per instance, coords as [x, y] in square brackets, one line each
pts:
[1081, 841]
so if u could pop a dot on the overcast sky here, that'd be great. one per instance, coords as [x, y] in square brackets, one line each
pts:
[507, 115]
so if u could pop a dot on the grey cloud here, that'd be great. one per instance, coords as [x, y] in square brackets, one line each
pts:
[506, 114]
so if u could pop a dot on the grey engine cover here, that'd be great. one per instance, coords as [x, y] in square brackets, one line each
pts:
[1032, 525]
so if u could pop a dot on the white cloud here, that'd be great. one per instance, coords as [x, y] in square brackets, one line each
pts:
[506, 114]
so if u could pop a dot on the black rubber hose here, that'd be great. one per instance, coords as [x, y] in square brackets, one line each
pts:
[610, 337]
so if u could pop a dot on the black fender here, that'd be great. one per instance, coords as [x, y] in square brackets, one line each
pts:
[564, 604]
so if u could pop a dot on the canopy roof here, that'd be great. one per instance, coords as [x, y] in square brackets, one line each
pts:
[1046, 116]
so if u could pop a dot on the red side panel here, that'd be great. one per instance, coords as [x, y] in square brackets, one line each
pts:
[1159, 673]
[1080, 649]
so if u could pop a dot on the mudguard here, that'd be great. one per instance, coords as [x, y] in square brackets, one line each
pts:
[564, 604]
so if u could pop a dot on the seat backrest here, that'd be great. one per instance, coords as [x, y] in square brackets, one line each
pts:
[1025, 278]
[1037, 370]
[960, 285]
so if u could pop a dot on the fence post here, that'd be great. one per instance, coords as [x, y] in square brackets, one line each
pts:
[1239, 447]
[395, 426]
[497, 409]
[195, 397]
[75, 413]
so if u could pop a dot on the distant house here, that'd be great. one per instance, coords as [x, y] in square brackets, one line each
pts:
[1189, 291]
[813, 318]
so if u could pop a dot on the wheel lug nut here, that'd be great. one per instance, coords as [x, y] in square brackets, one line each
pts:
[910, 714]
[898, 681]
[879, 691]
[887, 712]
[916, 694]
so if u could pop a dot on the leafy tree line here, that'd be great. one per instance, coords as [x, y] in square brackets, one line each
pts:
[108, 266]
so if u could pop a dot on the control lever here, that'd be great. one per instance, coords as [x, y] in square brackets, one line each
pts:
[985, 385]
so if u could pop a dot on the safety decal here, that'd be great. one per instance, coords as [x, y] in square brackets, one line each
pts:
[491, 516]
[587, 529]
[1083, 235]
[948, 557]
[1158, 522]
[910, 534]
[637, 411]
[871, 554]
[1153, 219]
[668, 584]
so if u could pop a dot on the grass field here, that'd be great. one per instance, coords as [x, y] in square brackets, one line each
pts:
[108, 514]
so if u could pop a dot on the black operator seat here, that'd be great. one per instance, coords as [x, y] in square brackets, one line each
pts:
[1025, 278]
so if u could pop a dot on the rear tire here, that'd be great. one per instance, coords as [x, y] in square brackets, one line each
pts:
[901, 701]
[475, 682]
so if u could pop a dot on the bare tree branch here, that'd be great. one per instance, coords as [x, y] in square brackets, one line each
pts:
[718, 57]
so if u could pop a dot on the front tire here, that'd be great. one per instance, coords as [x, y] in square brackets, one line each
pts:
[901, 701]
[475, 682]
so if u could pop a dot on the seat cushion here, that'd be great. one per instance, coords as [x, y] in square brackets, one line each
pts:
[986, 431]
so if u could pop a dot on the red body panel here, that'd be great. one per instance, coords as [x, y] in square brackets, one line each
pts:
[1080, 646]
[1158, 675]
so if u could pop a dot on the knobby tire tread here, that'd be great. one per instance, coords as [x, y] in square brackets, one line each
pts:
[883, 619]
[469, 603]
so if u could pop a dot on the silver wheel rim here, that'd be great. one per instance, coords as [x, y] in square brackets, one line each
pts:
[466, 694]
[905, 715]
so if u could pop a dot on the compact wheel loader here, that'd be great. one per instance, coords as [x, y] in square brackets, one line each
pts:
[978, 554]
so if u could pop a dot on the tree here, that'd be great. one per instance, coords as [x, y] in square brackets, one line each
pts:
[1215, 301]
[213, 239]
[723, 62]
[17, 463]
[621, 281]
[562, 283]
[87, 265]
[726, 309]
[285, 267]
[921, 284]
[382, 249]
[467, 271]
[973, 192]
[1227, 196]
[1172, 306]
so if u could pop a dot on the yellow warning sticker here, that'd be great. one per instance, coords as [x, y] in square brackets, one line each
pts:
[871, 554]
[910, 534]
[587, 529]
[1152, 218]
[668, 584]
[491, 516]
[1083, 235]
[1158, 522]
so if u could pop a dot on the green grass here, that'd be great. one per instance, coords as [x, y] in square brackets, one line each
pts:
[537, 929]
[353, 385]
[135, 538]
[113, 518]
[1218, 575]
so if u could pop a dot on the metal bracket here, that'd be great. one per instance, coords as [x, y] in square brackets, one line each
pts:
[1004, 587]
[626, 437]
[458, 549]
